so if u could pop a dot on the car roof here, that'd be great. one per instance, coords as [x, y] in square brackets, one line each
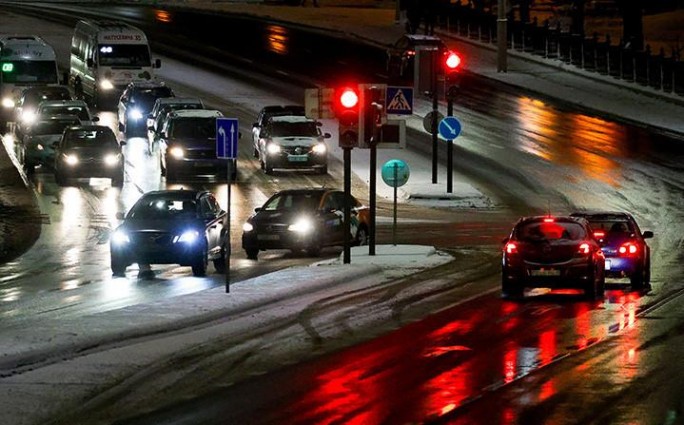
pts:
[195, 113]
[291, 118]
[605, 215]
[147, 84]
[318, 190]
[58, 117]
[556, 218]
[179, 100]
[282, 108]
[48, 88]
[63, 102]
[93, 127]
[175, 193]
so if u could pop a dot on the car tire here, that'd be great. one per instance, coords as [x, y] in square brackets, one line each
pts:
[118, 182]
[60, 180]
[118, 267]
[199, 269]
[637, 279]
[313, 250]
[252, 254]
[511, 290]
[220, 263]
[595, 288]
[267, 168]
[323, 170]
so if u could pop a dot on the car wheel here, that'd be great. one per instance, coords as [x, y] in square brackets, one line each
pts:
[313, 250]
[60, 179]
[118, 182]
[593, 290]
[511, 290]
[118, 267]
[199, 269]
[323, 170]
[220, 263]
[637, 279]
[361, 236]
[267, 168]
[252, 254]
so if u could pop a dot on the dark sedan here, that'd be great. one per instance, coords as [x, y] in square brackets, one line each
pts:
[183, 227]
[304, 220]
[552, 252]
[624, 245]
[89, 151]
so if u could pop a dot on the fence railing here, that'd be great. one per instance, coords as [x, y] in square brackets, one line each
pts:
[663, 71]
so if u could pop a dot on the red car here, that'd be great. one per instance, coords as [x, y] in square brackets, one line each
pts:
[552, 252]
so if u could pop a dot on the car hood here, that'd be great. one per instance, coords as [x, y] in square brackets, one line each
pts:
[46, 140]
[295, 141]
[163, 226]
[194, 142]
[92, 152]
[279, 217]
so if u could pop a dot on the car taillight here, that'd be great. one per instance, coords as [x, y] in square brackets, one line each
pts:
[599, 234]
[511, 248]
[628, 248]
[584, 248]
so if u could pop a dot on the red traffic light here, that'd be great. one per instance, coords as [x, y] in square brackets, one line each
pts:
[452, 61]
[348, 98]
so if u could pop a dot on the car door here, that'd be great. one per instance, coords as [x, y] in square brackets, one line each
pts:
[213, 219]
[333, 215]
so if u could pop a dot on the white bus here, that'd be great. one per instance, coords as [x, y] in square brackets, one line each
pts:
[107, 55]
[25, 61]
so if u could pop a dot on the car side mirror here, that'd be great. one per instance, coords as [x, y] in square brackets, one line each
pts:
[90, 63]
[122, 143]
[647, 234]
[257, 209]
[55, 145]
[157, 63]
[119, 215]
[327, 135]
[150, 128]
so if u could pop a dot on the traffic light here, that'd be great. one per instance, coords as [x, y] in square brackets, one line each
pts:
[372, 114]
[452, 73]
[347, 107]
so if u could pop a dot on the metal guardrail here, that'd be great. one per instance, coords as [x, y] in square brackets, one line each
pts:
[591, 53]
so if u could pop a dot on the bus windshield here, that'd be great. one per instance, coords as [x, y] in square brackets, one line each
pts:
[137, 55]
[43, 72]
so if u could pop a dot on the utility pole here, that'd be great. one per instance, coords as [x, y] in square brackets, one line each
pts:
[502, 37]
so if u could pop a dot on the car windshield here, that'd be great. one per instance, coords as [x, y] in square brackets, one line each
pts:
[34, 98]
[550, 231]
[145, 98]
[45, 128]
[293, 129]
[611, 228]
[80, 111]
[178, 106]
[155, 207]
[293, 201]
[83, 138]
[136, 55]
[194, 128]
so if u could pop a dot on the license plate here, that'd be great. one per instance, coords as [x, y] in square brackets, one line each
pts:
[545, 272]
[268, 237]
[607, 265]
[298, 158]
[203, 164]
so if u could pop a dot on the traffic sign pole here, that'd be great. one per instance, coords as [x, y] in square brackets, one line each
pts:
[346, 256]
[450, 150]
[229, 177]
[394, 218]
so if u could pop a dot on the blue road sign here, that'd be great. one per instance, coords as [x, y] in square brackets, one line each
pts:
[227, 136]
[449, 128]
[395, 168]
[399, 100]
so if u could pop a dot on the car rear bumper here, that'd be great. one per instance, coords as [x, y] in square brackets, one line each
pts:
[550, 276]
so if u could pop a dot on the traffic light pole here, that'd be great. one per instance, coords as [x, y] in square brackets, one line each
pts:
[450, 149]
[346, 256]
[434, 123]
[372, 194]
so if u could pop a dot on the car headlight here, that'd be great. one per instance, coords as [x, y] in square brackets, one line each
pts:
[273, 148]
[119, 237]
[136, 114]
[302, 225]
[188, 237]
[177, 152]
[320, 148]
[8, 138]
[7, 103]
[39, 147]
[28, 117]
[70, 159]
[111, 159]
[247, 227]
[106, 85]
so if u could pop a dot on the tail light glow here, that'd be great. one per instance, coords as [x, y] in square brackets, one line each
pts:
[511, 248]
[599, 234]
[584, 248]
[549, 220]
[628, 248]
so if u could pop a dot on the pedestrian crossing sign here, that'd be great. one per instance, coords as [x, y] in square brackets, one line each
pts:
[399, 100]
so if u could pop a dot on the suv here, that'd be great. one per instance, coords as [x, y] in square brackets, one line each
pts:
[292, 141]
[30, 99]
[623, 244]
[137, 101]
[171, 227]
[271, 111]
[164, 105]
[89, 151]
[78, 108]
[187, 146]
[304, 220]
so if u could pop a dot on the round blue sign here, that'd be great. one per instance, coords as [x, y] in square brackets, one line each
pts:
[395, 173]
[449, 128]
